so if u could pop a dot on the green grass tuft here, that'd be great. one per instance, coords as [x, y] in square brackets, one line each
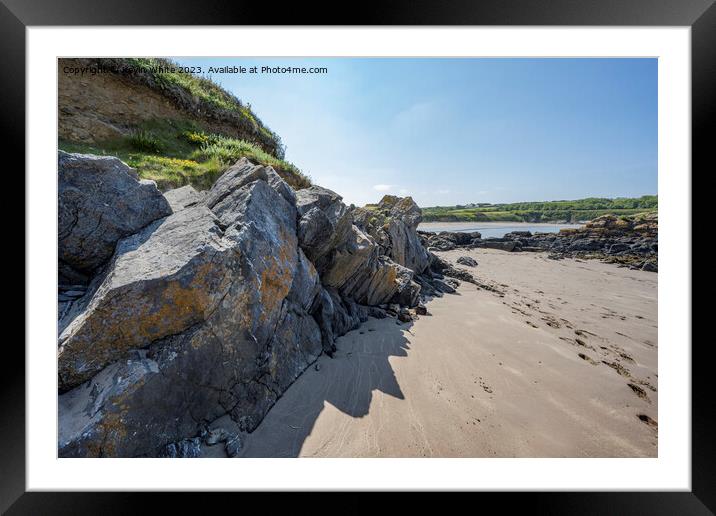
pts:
[144, 141]
[177, 153]
[228, 151]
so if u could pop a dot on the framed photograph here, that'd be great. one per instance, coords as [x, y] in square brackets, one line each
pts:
[416, 253]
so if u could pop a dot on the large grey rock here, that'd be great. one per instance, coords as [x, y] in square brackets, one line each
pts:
[162, 280]
[501, 245]
[348, 259]
[337, 315]
[359, 272]
[100, 201]
[242, 173]
[214, 311]
[184, 197]
[325, 225]
[467, 261]
[393, 224]
[234, 353]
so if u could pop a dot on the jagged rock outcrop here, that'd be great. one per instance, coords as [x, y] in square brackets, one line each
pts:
[393, 223]
[220, 298]
[100, 201]
[162, 280]
[630, 241]
[324, 228]
[184, 197]
[348, 259]
[468, 261]
[214, 310]
[449, 240]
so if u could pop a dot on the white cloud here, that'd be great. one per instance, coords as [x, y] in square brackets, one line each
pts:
[382, 188]
[444, 191]
[404, 191]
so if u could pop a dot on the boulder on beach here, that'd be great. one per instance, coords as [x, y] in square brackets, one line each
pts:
[467, 261]
[393, 224]
[100, 201]
[500, 244]
[449, 240]
[202, 313]
[215, 308]
[184, 197]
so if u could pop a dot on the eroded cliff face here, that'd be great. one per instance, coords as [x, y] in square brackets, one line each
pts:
[213, 304]
[96, 107]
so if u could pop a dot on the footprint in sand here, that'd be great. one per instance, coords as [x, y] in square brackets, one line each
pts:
[627, 357]
[551, 321]
[485, 387]
[646, 384]
[639, 392]
[583, 344]
[577, 342]
[585, 333]
[647, 420]
[587, 359]
[623, 371]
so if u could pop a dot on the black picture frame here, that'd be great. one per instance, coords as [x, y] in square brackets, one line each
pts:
[700, 15]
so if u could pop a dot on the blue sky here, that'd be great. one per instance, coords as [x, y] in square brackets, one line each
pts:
[456, 131]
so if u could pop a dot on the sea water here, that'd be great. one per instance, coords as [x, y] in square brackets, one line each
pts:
[493, 229]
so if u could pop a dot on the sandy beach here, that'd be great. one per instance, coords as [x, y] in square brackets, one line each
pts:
[559, 361]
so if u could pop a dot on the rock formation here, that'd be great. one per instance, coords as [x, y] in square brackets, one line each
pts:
[393, 224]
[100, 201]
[202, 305]
[630, 241]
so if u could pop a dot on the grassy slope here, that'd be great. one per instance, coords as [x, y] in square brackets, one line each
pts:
[177, 153]
[549, 211]
[206, 95]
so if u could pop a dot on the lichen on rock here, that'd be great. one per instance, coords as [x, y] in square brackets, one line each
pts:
[218, 307]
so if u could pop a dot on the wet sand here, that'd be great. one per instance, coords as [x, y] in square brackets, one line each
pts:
[561, 361]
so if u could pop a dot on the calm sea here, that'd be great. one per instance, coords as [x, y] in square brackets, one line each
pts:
[493, 229]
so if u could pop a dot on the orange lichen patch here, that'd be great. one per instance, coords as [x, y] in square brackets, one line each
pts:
[115, 327]
[114, 431]
[275, 285]
[277, 276]
[113, 426]
[392, 276]
[405, 204]
[242, 302]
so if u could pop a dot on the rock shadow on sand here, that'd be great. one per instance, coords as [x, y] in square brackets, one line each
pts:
[347, 382]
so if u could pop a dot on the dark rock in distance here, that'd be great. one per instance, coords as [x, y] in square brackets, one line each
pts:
[467, 261]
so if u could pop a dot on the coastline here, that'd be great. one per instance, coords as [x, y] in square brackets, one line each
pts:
[560, 360]
[437, 226]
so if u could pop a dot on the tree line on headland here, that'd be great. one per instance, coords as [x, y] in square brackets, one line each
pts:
[544, 211]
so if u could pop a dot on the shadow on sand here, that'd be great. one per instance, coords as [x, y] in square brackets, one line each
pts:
[346, 381]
